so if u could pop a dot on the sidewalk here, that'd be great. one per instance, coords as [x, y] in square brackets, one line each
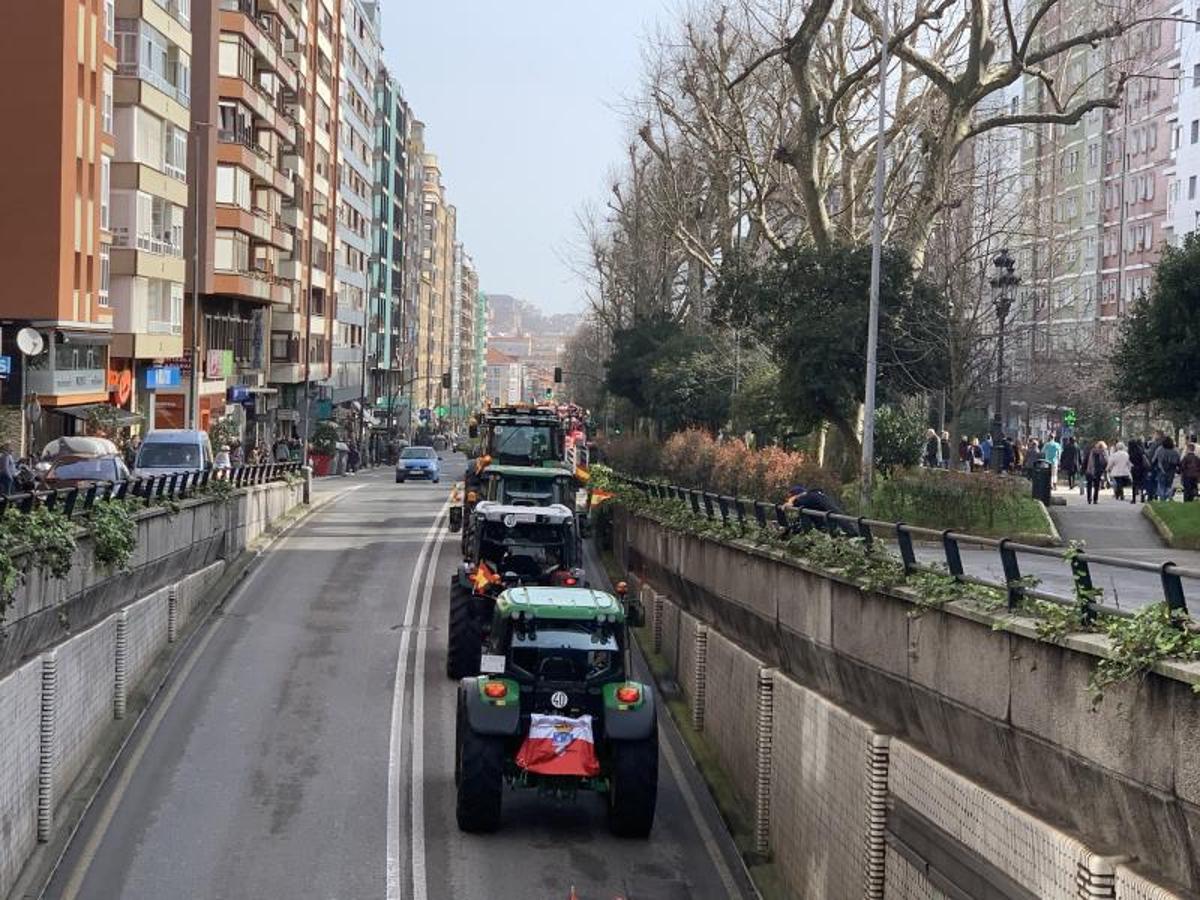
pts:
[1114, 528]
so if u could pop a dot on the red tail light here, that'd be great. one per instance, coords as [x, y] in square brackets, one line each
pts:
[495, 690]
[629, 693]
[569, 581]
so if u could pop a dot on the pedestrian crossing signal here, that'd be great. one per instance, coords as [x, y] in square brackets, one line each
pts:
[1069, 417]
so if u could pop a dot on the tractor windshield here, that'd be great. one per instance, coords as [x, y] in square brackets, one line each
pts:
[567, 652]
[527, 549]
[533, 444]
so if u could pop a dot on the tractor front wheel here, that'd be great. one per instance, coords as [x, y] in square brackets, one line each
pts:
[479, 779]
[633, 787]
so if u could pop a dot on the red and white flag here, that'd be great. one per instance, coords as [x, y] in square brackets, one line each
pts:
[559, 745]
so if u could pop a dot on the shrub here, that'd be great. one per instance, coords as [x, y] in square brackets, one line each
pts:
[688, 456]
[633, 454]
[940, 498]
[325, 438]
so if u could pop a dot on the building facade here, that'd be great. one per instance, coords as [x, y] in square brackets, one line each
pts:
[61, 62]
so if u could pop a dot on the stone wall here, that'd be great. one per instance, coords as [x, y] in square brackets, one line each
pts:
[1105, 797]
[20, 705]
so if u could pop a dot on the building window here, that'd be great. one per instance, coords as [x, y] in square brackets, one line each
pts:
[105, 192]
[233, 186]
[105, 274]
[1195, 130]
[1192, 187]
[110, 21]
[175, 152]
[106, 102]
[231, 251]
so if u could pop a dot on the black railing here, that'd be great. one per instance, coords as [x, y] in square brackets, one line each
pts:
[180, 486]
[779, 518]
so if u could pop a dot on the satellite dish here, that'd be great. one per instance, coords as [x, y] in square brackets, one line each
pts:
[30, 342]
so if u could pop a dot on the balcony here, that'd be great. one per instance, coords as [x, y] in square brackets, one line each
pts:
[268, 50]
[252, 285]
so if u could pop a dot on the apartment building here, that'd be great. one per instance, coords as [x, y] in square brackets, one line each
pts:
[360, 52]
[1094, 207]
[415, 279]
[390, 325]
[504, 379]
[60, 64]
[434, 322]
[146, 212]
[301, 335]
[466, 395]
[479, 378]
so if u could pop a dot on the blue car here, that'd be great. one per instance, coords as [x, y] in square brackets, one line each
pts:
[418, 462]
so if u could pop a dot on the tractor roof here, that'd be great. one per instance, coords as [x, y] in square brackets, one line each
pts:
[492, 511]
[547, 472]
[574, 604]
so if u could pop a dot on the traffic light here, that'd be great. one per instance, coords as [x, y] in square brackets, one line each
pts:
[446, 380]
[557, 375]
[549, 392]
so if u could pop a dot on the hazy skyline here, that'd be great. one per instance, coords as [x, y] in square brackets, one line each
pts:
[522, 102]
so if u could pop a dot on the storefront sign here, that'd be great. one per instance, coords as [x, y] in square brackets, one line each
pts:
[238, 393]
[218, 364]
[163, 377]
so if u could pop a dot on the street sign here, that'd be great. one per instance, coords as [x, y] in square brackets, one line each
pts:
[163, 377]
[5, 366]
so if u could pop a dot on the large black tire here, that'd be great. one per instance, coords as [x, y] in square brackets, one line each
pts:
[399, 479]
[479, 778]
[464, 637]
[633, 787]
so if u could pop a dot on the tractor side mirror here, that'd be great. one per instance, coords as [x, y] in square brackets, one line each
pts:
[473, 431]
[456, 519]
[635, 613]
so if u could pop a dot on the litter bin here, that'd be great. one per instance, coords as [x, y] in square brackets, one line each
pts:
[1041, 481]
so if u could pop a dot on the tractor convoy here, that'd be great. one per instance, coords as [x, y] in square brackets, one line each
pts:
[546, 699]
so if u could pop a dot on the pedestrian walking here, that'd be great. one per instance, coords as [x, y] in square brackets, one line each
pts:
[944, 448]
[1166, 465]
[975, 456]
[964, 454]
[1094, 469]
[1069, 461]
[1008, 454]
[932, 456]
[1138, 466]
[1189, 473]
[1119, 470]
[8, 470]
[222, 460]
[1051, 453]
[985, 450]
[237, 454]
[1033, 452]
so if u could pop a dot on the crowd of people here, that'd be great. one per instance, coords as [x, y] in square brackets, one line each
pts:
[1142, 469]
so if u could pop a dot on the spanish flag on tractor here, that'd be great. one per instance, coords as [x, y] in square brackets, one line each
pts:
[559, 745]
[599, 496]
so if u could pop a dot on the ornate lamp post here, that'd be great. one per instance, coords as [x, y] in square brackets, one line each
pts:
[1004, 284]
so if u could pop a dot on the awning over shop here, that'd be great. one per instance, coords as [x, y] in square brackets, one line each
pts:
[119, 416]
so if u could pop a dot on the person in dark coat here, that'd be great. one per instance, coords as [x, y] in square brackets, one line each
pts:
[1095, 468]
[1138, 466]
[932, 456]
[1189, 473]
[1070, 461]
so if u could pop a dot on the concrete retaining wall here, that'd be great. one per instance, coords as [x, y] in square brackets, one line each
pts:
[994, 728]
[20, 710]
[169, 547]
[59, 707]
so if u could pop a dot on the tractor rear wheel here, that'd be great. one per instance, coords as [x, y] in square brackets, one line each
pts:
[464, 637]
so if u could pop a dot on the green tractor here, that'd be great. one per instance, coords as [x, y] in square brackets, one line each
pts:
[556, 710]
[506, 546]
[514, 486]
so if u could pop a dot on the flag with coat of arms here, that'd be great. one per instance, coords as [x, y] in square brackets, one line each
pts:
[559, 745]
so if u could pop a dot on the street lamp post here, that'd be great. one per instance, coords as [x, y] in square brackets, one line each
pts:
[1004, 284]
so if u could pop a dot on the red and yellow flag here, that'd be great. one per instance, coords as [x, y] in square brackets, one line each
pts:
[599, 496]
[483, 576]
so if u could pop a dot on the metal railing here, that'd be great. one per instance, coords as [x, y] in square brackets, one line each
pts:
[179, 486]
[780, 519]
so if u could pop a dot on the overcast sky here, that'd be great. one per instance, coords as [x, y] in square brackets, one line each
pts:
[522, 101]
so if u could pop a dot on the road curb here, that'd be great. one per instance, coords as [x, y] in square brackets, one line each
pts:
[46, 859]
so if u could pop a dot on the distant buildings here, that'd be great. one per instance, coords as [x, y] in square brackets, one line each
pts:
[249, 166]
[537, 341]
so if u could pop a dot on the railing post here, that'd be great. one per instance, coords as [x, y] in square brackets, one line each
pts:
[1012, 573]
[760, 513]
[694, 497]
[740, 508]
[69, 502]
[1082, 576]
[723, 502]
[864, 530]
[708, 504]
[781, 517]
[1173, 589]
[907, 555]
[953, 558]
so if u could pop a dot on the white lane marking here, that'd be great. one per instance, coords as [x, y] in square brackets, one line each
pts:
[693, 805]
[395, 743]
[419, 875]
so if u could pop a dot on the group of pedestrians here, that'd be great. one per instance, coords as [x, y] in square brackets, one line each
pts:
[1146, 468]
[1142, 469]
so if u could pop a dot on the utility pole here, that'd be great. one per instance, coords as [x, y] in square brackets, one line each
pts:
[868, 443]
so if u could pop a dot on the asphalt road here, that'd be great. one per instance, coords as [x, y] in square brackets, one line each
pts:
[304, 749]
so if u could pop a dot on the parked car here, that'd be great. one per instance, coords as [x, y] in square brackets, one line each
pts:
[170, 451]
[418, 462]
[72, 471]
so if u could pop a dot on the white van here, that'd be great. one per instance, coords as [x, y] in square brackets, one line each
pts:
[170, 451]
